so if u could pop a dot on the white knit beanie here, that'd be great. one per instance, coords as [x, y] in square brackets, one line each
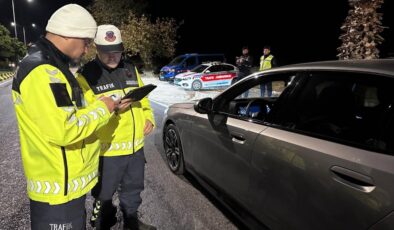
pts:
[72, 20]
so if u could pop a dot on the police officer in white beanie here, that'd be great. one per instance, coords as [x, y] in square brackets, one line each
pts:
[60, 152]
[122, 160]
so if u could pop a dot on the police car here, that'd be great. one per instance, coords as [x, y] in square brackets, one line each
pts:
[207, 76]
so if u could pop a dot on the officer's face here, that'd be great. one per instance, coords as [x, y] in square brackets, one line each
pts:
[266, 51]
[78, 47]
[110, 59]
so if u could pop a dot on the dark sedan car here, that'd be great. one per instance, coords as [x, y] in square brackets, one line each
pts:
[317, 154]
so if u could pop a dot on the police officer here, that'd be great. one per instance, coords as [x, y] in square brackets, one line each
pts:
[267, 61]
[122, 161]
[59, 150]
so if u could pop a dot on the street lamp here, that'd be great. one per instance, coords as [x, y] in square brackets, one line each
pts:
[24, 31]
[13, 14]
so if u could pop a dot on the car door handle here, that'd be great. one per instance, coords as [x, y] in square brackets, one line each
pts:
[237, 138]
[353, 179]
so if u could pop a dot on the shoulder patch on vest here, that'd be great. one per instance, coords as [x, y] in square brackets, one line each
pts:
[60, 93]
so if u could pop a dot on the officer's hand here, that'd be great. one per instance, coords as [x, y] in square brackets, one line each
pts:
[124, 104]
[148, 127]
[110, 103]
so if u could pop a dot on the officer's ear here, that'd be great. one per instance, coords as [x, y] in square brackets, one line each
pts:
[94, 46]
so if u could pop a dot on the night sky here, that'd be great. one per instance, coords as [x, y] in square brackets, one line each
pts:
[297, 31]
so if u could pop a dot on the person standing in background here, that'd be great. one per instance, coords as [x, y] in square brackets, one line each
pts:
[244, 63]
[267, 61]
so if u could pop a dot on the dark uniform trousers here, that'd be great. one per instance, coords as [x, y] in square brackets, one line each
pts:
[125, 173]
[67, 216]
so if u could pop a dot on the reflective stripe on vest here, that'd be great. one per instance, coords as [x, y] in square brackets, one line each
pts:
[121, 145]
[266, 63]
[53, 187]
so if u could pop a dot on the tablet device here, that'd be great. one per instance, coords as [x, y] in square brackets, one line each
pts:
[140, 92]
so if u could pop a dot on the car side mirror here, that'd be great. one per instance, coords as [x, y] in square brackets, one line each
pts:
[207, 71]
[204, 105]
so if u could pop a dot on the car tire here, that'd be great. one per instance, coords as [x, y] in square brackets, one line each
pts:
[196, 85]
[173, 149]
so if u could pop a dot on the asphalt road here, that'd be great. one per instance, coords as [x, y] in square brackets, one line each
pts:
[169, 201]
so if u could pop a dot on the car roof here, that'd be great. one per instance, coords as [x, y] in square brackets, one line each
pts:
[197, 54]
[215, 63]
[377, 66]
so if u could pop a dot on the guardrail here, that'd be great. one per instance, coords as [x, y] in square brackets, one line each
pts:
[6, 75]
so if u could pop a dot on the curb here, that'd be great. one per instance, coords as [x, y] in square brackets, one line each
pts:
[6, 75]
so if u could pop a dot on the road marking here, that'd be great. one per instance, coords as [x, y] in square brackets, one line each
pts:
[5, 82]
[159, 103]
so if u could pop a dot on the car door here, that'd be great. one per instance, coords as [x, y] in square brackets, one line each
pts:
[224, 140]
[326, 161]
[227, 75]
[222, 151]
[219, 75]
[222, 154]
[208, 78]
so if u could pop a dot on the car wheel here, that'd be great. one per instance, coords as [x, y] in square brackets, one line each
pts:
[173, 149]
[196, 85]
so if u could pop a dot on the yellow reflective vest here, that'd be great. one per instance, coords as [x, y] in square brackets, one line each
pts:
[58, 144]
[265, 63]
[124, 133]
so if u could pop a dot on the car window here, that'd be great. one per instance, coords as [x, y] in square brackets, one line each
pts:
[274, 89]
[191, 61]
[216, 68]
[253, 105]
[199, 68]
[343, 107]
[177, 60]
[227, 68]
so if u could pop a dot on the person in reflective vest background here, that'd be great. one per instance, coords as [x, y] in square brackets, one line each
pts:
[267, 61]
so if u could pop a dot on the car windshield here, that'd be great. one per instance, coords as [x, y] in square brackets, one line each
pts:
[199, 68]
[177, 60]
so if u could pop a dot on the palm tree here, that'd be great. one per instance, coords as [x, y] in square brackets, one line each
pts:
[361, 30]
